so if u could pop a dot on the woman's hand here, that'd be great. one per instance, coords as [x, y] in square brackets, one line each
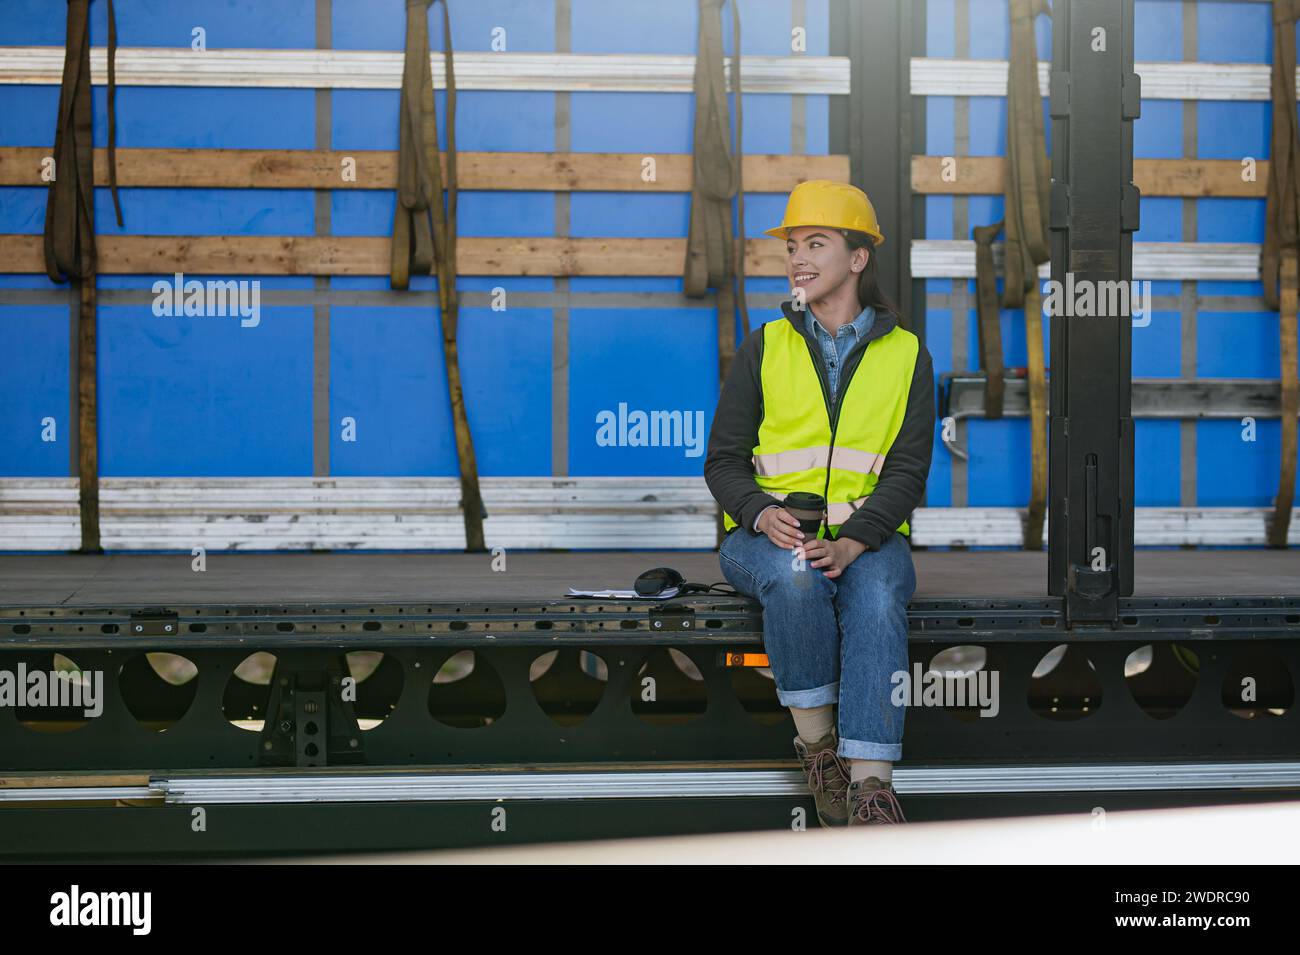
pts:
[832, 556]
[781, 527]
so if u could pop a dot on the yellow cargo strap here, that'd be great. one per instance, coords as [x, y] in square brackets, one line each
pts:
[712, 258]
[69, 240]
[417, 246]
[1281, 240]
[1025, 220]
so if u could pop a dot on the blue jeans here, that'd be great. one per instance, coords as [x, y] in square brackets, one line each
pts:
[836, 639]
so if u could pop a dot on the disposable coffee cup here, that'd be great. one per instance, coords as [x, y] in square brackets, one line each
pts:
[808, 509]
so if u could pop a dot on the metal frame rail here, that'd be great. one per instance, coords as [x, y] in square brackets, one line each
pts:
[591, 703]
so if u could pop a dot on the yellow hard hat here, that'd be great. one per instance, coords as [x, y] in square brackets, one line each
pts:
[839, 205]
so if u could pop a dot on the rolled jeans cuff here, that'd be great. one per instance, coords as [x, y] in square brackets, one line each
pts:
[861, 749]
[807, 699]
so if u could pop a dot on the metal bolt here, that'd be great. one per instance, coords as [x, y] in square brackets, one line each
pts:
[285, 726]
[354, 743]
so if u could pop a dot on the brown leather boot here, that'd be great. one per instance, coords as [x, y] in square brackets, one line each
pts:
[828, 778]
[872, 802]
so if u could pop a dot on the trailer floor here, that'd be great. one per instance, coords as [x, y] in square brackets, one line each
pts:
[104, 580]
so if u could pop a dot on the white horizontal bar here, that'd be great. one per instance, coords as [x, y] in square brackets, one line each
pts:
[700, 784]
[77, 793]
[665, 73]
[936, 76]
[1152, 526]
[41, 514]
[670, 784]
[382, 69]
[1156, 261]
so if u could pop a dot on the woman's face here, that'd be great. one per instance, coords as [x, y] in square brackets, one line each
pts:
[820, 262]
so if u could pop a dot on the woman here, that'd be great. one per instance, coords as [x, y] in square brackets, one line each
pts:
[834, 399]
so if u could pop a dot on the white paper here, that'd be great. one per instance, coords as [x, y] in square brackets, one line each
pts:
[622, 594]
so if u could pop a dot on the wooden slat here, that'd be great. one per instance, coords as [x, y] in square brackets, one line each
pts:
[982, 175]
[72, 780]
[377, 169]
[505, 255]
[334, 255]
[969, 175]
[1198, 177]
[581, 172]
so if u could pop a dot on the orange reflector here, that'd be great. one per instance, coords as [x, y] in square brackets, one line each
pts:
[745, 659]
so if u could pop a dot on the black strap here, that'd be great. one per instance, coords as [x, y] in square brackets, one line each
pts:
[721, 587]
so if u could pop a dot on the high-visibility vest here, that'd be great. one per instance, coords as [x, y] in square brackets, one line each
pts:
[800, 448]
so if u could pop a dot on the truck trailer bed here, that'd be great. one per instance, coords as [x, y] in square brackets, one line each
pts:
[254, 578]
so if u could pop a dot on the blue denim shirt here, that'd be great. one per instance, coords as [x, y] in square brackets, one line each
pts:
[834, 351]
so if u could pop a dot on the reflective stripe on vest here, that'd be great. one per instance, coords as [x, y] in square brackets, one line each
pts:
[795, 450]
[783, 462]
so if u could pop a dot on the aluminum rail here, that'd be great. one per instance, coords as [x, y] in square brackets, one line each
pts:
[78, 793]
[674, 784]
[685, 784]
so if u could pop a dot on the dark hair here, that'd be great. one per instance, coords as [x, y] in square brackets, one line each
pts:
[869, 292]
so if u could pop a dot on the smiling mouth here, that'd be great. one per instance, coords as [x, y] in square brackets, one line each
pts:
[803, 278]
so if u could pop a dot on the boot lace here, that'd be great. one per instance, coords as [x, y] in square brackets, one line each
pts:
[879, 805]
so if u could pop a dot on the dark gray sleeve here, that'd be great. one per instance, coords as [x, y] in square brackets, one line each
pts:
[907, 465]
[728, 464]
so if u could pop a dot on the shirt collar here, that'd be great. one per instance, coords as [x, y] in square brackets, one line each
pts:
[860, 325]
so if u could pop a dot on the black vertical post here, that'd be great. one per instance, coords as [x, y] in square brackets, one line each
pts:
[1094, 99]
[875, 124]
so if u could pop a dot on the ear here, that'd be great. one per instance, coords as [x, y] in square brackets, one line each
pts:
[860, 260]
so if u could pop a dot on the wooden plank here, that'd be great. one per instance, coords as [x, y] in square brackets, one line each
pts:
[982, 175]
[1199, 177]
[335, 255]
[508, 255]
[947, 175]
[583, 172]
[92, 780]
[377, 169]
